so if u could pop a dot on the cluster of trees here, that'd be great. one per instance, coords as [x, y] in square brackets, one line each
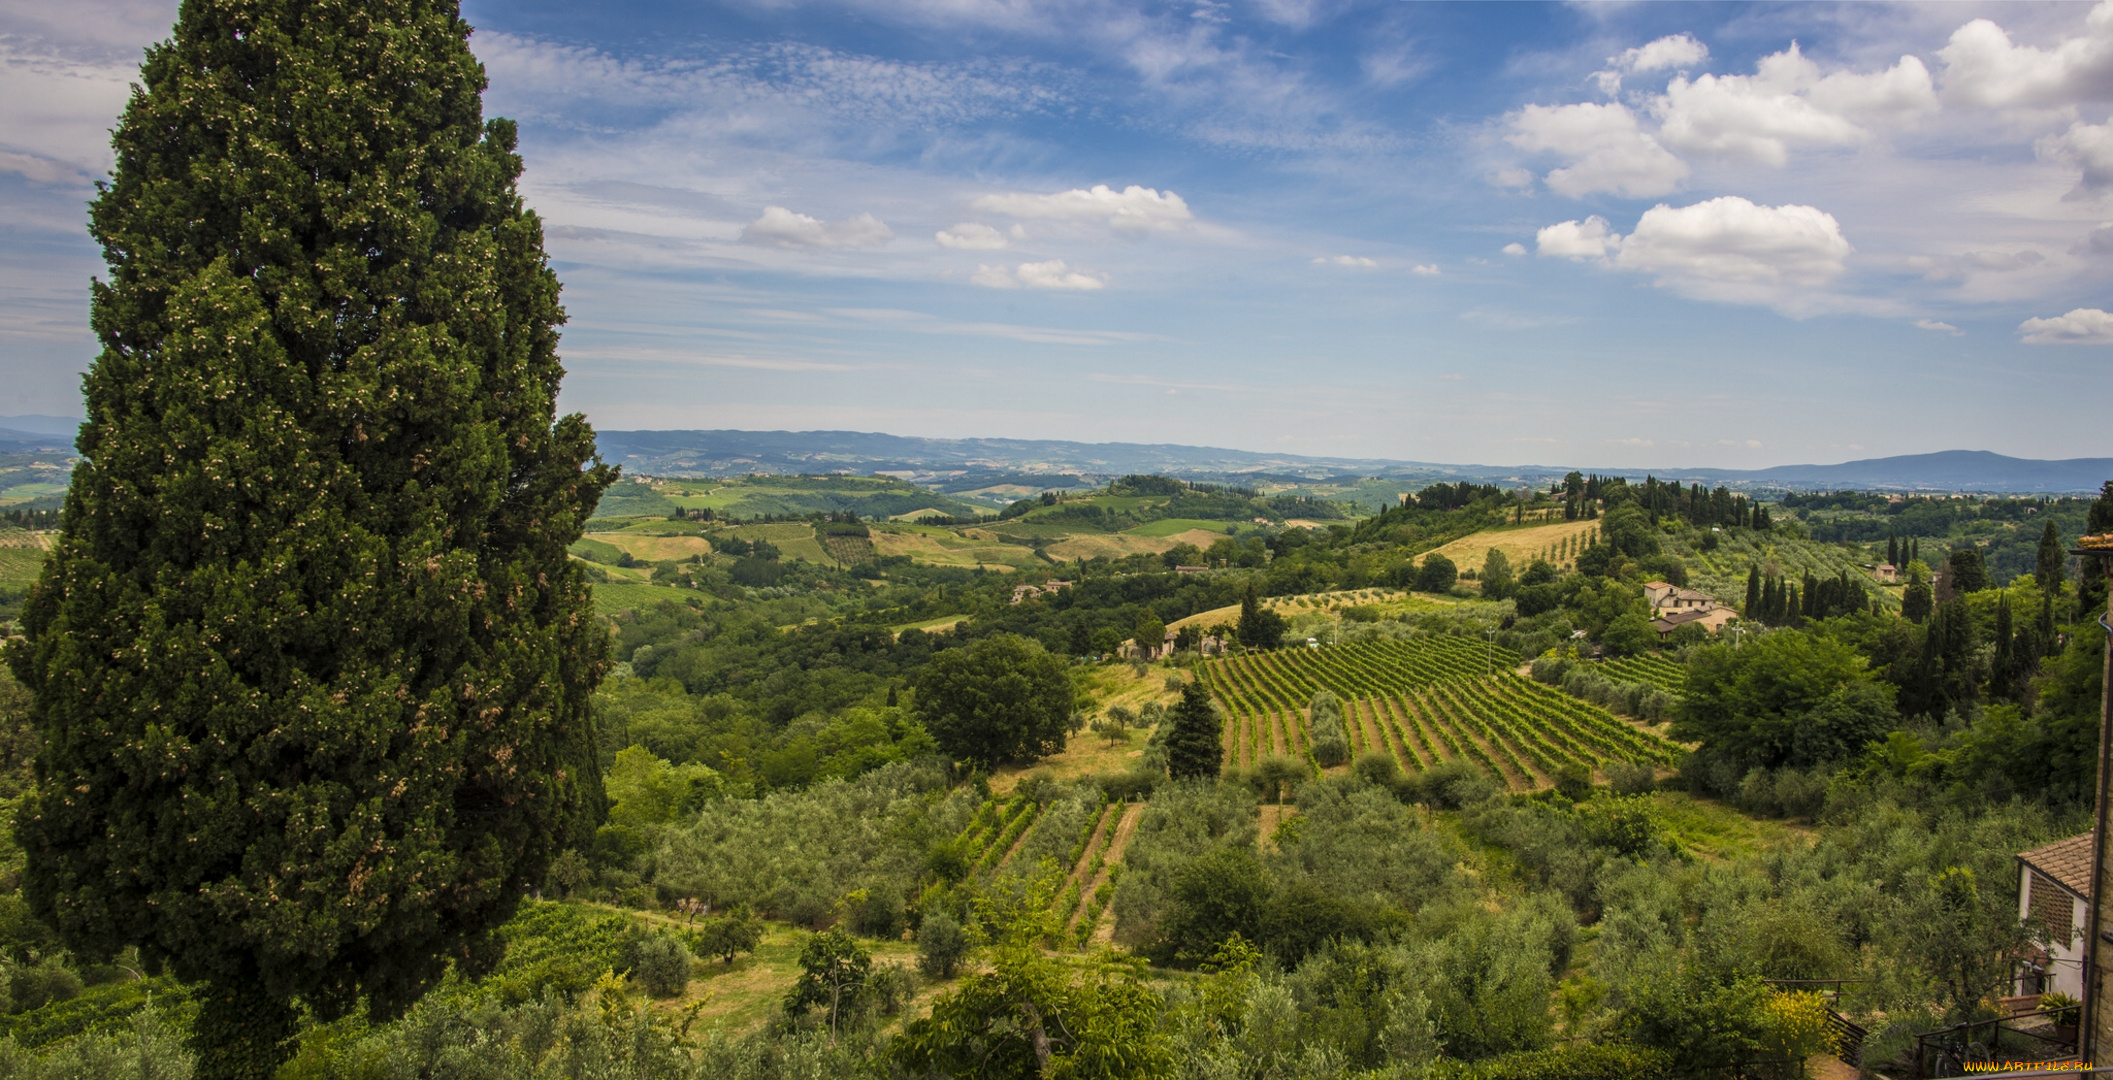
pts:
[1700, 507]
[1772, 601]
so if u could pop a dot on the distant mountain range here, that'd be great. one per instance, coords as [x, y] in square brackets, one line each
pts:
[935, 461]
[727, 453]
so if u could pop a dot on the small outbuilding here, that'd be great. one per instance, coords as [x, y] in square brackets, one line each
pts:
[2053, 890]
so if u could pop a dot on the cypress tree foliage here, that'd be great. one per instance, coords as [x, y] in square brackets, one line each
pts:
[1918, 598]
[1893, 549]
[2091, 573]
[2003, 667]
[1193, 748]
[1969, 570]
[2050, 566]
[1753, 592]
[1331, 743]
[309, 663]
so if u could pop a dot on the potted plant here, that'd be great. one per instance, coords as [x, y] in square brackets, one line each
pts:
[2065, 1011]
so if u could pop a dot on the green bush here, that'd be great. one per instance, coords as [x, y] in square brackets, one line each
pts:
[660, 964]
[1578, 1061]
[941, 945]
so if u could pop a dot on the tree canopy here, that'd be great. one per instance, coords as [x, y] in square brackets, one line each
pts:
[1003, 698]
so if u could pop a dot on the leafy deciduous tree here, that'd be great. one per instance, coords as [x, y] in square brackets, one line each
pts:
[1000, 699]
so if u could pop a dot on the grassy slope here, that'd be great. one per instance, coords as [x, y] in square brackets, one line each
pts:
[1521, 544]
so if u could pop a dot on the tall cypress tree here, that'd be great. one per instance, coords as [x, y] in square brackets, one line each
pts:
[2091, 573]
[1892, 549]
[2052, 562]
[309, 663]
[1194, 751]
[1753, 592]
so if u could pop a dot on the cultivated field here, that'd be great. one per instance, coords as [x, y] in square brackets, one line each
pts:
[1521, 544]
[1421, 701]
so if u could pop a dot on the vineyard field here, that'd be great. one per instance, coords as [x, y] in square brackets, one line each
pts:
[1422, 702]
[1082, 839]
[1658, 670]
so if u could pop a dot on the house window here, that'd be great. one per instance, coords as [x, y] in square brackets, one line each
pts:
[2052, 907]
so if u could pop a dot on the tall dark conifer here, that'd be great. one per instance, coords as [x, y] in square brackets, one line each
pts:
[1753, 592]
[1892, 550]
[1194, 750]
[309, 663]
[2051, 564]
[2091, 573]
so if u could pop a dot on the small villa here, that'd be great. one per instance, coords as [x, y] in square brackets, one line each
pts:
[1667, 598]
[1673, 607]
[1885, 573]
[2053, 884]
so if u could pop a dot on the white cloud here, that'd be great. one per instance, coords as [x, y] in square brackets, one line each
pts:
[1132, 208]
[2003, 261]
[1514, 248]
[1721, 249]
[779, 227]
[1591, 238]
[971, 236]
[1940, 327]
[2083, 326]
[1426, 270]
[1345, 260]
[2087, 146]
[1675, 51]
[1054, 274]
[1983, 67]
[1786, 102]
[993, 277]
[1730, 241]
[1605, 147]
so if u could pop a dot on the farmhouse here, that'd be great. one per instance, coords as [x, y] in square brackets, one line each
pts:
[2052, 885]
[1711, 619]
[1029, 592]
[1666, 598]
[1674, 607]
[1886, 573]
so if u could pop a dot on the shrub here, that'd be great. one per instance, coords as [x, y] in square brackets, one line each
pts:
[941, 945]
[1378, 769]
[1574, 781]
[660, 964]
[1331, 745]
[1577, 1061]
[1630, 778]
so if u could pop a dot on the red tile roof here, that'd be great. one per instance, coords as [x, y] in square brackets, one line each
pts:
[2066, 861]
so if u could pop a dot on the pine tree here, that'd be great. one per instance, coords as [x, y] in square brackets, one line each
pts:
[2091, 573]
[1193, 748]
[2003, 673]
[1918, 598]
[2049, 567]
[310, 665]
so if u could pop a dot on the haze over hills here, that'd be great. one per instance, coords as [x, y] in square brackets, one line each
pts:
[735, 453]
[724, 453]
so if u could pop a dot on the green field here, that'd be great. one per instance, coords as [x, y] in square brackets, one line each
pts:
[1421, 702]
[1177, 526]
[610, 599]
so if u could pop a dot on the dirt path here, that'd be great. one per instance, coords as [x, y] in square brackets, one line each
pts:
[1021, 840]
[1093, 844]
[1105, 931]
[1272, 818]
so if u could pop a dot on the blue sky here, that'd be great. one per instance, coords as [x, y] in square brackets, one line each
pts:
[1621, 235]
